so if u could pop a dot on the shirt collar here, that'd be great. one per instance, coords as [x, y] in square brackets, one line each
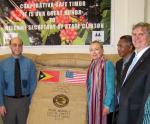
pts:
[139, 54]
[13, 58]
[125, 60]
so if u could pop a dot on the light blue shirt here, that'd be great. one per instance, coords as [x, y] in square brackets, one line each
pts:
[28, 77]
[135, 60]
[1, 83]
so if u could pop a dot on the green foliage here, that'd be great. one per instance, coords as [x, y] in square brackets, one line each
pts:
[46, 32]
[106, 17]
[105, 4]
[81, 40]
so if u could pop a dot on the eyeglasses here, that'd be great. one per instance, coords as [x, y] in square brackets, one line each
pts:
[16, 45]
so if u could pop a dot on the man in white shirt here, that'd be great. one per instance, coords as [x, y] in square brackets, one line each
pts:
[136, 85]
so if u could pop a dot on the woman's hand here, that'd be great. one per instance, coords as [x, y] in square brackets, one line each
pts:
[105, 111]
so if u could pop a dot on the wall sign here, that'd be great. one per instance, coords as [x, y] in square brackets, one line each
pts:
[55, 22]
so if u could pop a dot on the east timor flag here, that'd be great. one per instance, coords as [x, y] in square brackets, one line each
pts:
[49, 76]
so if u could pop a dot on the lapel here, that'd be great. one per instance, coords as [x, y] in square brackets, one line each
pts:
[127, 66]
[119, 69]
[120, 64]
[140, 61]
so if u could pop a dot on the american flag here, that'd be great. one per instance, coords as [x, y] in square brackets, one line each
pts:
[75, 77]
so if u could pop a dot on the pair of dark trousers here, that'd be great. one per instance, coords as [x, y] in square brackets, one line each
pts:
[17, 110]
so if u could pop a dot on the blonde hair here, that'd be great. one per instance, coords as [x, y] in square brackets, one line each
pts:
[142, 25]
[97, 42]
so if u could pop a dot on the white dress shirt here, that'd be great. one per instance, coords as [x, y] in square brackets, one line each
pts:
[134, 61]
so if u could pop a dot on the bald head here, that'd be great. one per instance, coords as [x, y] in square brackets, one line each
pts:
[16, 39]
[16, 46]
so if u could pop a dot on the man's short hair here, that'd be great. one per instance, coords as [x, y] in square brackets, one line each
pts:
[128, 40]
[142, 25]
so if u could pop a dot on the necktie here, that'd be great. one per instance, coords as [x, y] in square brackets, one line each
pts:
[17, 79]
[123, 71]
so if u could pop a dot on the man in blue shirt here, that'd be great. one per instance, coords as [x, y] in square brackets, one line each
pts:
[15, 97]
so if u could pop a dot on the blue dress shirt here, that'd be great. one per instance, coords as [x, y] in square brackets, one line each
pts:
[28, 77]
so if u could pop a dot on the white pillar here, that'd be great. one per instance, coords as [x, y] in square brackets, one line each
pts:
[147, 11]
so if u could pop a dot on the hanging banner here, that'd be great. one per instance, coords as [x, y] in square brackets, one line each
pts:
[55, 22]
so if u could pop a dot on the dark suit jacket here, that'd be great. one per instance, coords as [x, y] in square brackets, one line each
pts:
[134, 92]
[120, 77]
[119, 65]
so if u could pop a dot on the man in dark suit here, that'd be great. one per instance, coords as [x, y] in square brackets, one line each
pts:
[136, 84]
[125, 51]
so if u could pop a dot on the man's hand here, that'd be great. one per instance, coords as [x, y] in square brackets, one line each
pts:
[2, 110]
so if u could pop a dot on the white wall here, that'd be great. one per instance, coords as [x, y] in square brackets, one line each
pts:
[147, 11]
[125, 13]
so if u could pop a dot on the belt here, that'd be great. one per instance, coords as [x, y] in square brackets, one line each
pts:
[22, 96]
